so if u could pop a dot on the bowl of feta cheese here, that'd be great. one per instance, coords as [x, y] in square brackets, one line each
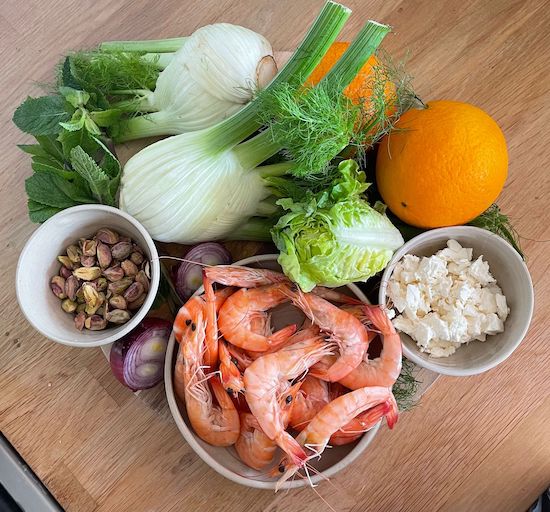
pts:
[461, 298]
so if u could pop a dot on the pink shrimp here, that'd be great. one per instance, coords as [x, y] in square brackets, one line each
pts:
[242, 358]
[218, 425]
[360, 424]
[348, 332]
[210, 307]
[301, 335]
[332, 418]
[230, 375]
[312, 397]
[188, 312]
[265, 378]
[248, 277]
[384, 370]
[244, 305]
[254, 448]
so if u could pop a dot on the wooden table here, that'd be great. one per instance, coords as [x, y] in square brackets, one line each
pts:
[480, 443]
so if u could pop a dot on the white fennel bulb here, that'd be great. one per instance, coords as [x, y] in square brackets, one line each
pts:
[216, 71]
[192, 196]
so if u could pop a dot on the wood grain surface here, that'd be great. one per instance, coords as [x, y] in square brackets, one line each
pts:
[480, 443]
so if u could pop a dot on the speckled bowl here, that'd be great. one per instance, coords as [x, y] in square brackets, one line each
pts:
[512, 276]
[225, 460]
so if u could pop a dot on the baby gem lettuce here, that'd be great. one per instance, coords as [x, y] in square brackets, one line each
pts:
[335, 237]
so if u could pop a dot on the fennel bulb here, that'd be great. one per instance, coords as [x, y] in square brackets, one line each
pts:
[194, 196]
[216, 71]
[335, 237]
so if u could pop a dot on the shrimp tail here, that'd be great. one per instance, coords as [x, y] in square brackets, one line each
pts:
[393, 413]
[378, 317]
[292, 448]
[283, 334]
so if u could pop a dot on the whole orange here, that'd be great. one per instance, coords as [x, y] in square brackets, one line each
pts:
[360, 88]
[442, 165]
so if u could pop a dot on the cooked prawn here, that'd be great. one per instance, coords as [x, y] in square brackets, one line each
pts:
[384, 370]
[242, 307]
[265, 378]
[301, 335]
[211, 339]
[218, 425]
[348, 332]
[230, 375]
[333, 417]
[188, 312]
[360, 424]
[312, 397]
[253, 447]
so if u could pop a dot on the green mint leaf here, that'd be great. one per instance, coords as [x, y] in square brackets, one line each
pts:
[42, 188]
[41, 116]
[75, 97]
[106, 118]
[109, 162]
[39, 212]
[70, 140]
[65, 77]
[51, 146]
[33, 149]
[49, 164]
[97, 179]
[90, 125]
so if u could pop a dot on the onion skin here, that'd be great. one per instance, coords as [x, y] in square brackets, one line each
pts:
[127, 354]
[188, 277]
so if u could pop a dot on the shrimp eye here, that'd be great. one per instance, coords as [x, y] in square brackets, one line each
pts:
[282, 468]
[230, 391]
[234, 361]
[288, 399]
[188, 322]
[193, 327]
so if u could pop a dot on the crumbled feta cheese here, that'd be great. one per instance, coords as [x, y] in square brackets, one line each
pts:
[446, 300]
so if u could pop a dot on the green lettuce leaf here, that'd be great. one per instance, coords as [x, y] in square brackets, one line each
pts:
[334, 237]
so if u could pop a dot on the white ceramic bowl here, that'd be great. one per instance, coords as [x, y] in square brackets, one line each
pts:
[38, 263]
[225, 460]
[512, 276]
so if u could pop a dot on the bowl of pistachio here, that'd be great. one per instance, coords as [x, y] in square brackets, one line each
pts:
[87, 276]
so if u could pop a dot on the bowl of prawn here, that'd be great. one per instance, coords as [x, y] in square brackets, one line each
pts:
[225, 460]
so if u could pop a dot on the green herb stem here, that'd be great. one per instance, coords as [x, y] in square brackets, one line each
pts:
[317, 41]
[148, 125]
[274, 170]
[256, 150]
[147, 46]
[140, 103]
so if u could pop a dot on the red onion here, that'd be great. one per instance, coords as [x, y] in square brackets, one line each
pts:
[188, 277]
[137, 359]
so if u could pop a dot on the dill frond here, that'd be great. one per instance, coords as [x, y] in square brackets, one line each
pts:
[406, 386]
[498, 223]
[109, 72]
[313, 124]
